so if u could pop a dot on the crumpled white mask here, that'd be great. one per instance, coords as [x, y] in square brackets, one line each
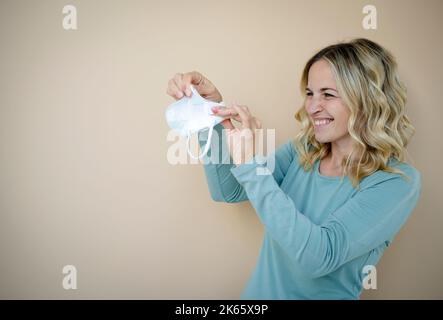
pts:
[191, 115]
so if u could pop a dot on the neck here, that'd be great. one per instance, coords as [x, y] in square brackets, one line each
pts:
[339, 152]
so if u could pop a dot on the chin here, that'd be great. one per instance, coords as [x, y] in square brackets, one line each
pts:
[322, 139]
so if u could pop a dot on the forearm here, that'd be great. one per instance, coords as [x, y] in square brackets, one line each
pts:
[223, 186]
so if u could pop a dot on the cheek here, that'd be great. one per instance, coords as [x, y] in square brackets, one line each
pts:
[341, 115]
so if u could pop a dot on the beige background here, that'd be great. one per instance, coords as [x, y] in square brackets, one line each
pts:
[83, 169]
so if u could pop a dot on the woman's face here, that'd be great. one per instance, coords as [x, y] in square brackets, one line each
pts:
[327, 112]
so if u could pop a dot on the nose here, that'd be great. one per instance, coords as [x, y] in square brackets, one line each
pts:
[314, 105]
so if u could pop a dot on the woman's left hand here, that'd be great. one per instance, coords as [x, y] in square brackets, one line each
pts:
[241, 140]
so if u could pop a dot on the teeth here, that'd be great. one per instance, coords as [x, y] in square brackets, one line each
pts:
[322, 122]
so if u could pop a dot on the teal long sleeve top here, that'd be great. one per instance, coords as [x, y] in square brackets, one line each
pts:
[319, 231]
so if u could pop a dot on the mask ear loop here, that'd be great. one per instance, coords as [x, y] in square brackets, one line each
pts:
[205, 149]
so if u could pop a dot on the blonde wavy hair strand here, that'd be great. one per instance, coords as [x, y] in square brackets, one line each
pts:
[368, 83]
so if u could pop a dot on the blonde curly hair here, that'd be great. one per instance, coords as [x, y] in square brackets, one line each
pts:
[367, 79]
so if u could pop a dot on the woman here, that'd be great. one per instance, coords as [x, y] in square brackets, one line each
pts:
[340, 190]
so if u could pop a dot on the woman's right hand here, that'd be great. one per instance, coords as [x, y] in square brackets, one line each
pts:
[180, 86]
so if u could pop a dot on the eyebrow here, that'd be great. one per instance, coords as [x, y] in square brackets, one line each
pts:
[323, 89]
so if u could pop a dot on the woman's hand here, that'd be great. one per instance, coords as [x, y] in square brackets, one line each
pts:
[241, 141]
[180, 86]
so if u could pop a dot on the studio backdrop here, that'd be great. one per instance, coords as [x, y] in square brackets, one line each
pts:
[85, 181]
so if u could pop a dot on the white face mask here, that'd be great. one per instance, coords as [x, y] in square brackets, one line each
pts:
[191, 115]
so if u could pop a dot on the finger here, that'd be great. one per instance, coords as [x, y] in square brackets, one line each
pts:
[193, 77]
[173, 90]
[251, 120]
[236, 118]
[178, 79]
[244, 117]
[258, 123]
[245, 109]
[227, 124]
[226, 112]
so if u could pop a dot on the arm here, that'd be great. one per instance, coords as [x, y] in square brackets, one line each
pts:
[373, 216]
[222, 184]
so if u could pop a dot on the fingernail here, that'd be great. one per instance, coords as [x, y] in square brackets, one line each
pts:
[214, 109]
[179, 94]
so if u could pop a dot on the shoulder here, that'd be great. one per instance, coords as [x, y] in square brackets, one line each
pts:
[408, 179]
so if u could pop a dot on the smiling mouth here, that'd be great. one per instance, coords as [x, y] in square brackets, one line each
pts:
[322, 122]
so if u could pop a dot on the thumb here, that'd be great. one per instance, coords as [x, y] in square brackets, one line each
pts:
[227, 124]
[192, 78]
